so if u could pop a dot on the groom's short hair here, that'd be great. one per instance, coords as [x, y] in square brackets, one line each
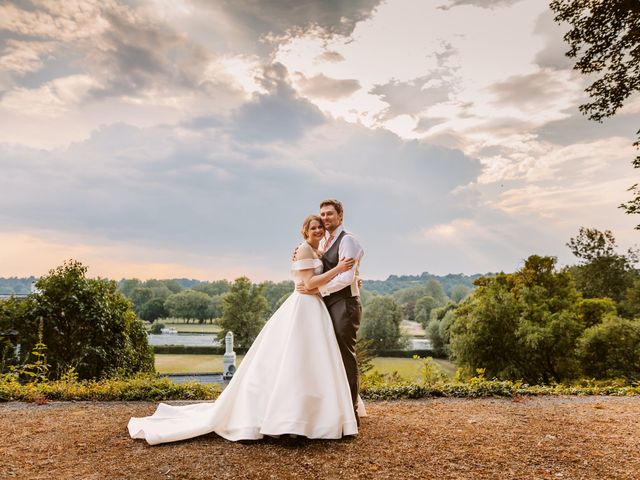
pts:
[336, 204]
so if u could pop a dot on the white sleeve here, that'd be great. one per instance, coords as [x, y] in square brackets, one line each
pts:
[306, 264]
[349, 248]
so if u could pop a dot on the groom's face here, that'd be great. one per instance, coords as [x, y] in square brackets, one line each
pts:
[330, 217]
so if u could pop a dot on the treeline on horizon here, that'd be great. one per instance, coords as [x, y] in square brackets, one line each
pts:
[393, 283]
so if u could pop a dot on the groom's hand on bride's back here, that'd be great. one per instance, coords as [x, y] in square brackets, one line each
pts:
[300, 288]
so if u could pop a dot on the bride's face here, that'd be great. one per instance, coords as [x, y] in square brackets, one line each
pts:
[315, 232]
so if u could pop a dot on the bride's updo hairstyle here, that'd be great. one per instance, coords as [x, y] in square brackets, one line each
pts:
[307, 223]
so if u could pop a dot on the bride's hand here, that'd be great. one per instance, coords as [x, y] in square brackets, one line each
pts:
[345, 264]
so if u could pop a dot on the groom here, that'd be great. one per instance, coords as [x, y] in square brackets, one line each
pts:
[341, 294]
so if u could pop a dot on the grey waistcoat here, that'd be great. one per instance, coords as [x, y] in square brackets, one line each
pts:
[329, 260]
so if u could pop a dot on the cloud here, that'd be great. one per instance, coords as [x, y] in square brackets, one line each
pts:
[21, 57]
[279, 115]
[127, 50]
[215, 192]
[553, 53]
[577, 128]
[325, 87]
[277, 17]
[330, 56]
[412, 97]
[51, 99]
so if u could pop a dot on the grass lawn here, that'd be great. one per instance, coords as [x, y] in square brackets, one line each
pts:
[407, 368]
[193, 327]
[170, 363]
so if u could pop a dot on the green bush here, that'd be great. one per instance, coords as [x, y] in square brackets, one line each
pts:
[611, 349]
[374, 387]
[386, 387]
[88, 325]
[521, 325]
[141, 387]
[156, 327]
[593, 310]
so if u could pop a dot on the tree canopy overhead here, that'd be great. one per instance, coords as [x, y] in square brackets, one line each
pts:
[605, 41]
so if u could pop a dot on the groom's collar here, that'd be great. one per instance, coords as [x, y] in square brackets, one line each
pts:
[335, 233]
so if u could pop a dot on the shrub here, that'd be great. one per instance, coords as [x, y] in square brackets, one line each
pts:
[593, 310]
[611, 349]
[156, 327]
[88, 325]
[142, 387]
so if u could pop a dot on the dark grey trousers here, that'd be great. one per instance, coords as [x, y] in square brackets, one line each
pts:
[345, 315]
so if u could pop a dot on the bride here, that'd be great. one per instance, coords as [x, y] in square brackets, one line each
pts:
[291, 381]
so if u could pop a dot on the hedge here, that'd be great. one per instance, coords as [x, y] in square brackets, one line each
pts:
[219, 350]
[194, 350]
[153, 388]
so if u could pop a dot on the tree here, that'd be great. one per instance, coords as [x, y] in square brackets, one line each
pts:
[434, 289]
[611, 349]
[407, 298]
[601, 271]
[140, 296]
[521, 325]
[189, 304]
[167, 287]
[592, 311]
[215, 307]
[273, 292]
[243, 312]
[423, 308]
[365, 296]
[381, 323]
[605, 39]
[629, 306]
[127, 285]
[88, 325]
[438, 329]
[459, 293]
[14, 312]
[152, 310]
[213, 289]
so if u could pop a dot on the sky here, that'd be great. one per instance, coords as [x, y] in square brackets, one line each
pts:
[190, 138]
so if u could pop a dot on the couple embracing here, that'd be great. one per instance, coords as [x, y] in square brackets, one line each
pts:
[300, 376]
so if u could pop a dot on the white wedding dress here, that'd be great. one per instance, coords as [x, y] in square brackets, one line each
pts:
[291, 381]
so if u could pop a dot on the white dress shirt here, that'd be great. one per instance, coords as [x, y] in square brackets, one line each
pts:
[349, 248]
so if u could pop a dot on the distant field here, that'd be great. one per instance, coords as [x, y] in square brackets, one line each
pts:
[407, 368]
[169, 363]
[413, 329]
[192, 327]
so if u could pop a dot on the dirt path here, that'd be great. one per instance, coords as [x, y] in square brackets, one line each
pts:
[556, 438]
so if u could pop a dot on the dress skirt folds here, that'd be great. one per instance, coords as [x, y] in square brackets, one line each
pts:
[291, 381]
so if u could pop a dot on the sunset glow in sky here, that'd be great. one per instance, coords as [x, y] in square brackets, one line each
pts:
[189, 138]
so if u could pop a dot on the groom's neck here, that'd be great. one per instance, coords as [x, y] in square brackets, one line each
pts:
[331, 231]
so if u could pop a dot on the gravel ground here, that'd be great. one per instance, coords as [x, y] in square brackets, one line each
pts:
[523, 438]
